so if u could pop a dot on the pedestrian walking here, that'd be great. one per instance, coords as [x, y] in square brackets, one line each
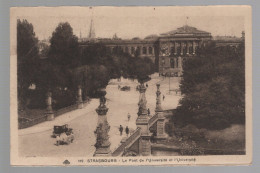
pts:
[127, 130]
[146, 85]
[148, 110]
[163, 97]
[128, 116]
[121, 130]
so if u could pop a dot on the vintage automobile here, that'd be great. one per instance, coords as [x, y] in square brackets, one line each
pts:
[64, 138]
[57, 130]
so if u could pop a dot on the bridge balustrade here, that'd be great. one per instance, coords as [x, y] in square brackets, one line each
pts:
[152, 120]
[128, 141]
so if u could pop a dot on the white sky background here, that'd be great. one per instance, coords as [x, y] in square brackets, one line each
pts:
[129, 22]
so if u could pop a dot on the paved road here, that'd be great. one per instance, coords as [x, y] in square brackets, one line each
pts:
[36, 140]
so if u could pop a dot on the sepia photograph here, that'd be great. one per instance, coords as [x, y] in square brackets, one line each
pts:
[131, 85]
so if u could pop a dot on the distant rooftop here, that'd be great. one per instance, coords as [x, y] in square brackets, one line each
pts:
[186, 30]
[152, 36]
[227, 39]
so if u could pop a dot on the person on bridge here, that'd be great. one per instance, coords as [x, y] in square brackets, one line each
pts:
[146, 85]
[128, 116]
[163, 97]
[148, 110]
[127, 130]
[121, 130]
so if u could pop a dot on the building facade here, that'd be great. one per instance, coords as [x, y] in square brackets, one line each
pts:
[167, 50]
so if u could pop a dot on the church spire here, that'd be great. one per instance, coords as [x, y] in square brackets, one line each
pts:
[91, 34]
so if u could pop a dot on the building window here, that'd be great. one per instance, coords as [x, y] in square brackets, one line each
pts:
[172, 50]
[178, 50]
[184, 50]
[144, 50]
[150, 50]
[190, 49]
[196, 49]
[172, 63]
[132, 50]
[138, 51]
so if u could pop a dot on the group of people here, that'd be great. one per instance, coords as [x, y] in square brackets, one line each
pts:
[121, 129]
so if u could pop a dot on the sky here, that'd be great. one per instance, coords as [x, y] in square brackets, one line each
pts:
[129, 22]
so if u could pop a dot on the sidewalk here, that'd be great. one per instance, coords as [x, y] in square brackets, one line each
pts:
[60, 120]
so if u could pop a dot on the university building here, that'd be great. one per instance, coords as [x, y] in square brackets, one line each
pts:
[167, 51]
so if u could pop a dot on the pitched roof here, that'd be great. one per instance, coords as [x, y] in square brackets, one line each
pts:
[186, 30]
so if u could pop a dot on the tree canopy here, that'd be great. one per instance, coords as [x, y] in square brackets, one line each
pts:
[213, 85]
[27, 57]
[64, 46]
[63, 66]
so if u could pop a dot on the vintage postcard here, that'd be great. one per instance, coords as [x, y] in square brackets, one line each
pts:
[105, 86]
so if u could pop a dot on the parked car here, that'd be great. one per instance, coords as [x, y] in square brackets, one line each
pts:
[58, 130]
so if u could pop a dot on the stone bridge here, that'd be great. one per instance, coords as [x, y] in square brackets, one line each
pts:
[148, 129]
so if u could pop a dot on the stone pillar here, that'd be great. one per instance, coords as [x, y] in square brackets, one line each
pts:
[49, 112]
[179, 62]
[169, 49]
[193, 47]
[188, 47]
[102, 139]
[180, 66]
[182, 45]
[160, 135]
[129, 50]
[142, 122]
[79, 98]
[153, 50]
[175, 48]
[175, 63]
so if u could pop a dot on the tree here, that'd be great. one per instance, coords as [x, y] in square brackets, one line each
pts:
[213, 85]
[27, 58]
[62, 57]
[64, 46]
